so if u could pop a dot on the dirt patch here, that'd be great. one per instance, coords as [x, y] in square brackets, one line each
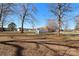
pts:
[37, 45]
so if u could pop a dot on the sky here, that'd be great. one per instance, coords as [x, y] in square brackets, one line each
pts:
[43, 14]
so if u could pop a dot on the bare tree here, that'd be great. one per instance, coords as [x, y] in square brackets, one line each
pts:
[5, 10]
[26, 13]
[77, 22]
[60, 10]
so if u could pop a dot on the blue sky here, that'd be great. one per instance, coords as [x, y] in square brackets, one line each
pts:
[43, 15]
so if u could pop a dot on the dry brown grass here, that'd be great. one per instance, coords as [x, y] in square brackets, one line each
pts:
[37, 45]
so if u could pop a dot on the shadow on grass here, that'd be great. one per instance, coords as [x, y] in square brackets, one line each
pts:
[19, 49]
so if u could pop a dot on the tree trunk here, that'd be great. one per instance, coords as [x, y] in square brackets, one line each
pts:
[59, 27]
[2, 27]
[1, 18]
[59, 19]
[22, 30]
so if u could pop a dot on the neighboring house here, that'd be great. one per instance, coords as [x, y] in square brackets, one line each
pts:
[47, 29]
[43, 29]
[6, 29]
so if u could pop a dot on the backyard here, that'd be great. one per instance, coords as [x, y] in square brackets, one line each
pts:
[39, 29]
[17, 44]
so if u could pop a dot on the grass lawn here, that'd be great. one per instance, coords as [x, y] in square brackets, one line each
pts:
[17, 44]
